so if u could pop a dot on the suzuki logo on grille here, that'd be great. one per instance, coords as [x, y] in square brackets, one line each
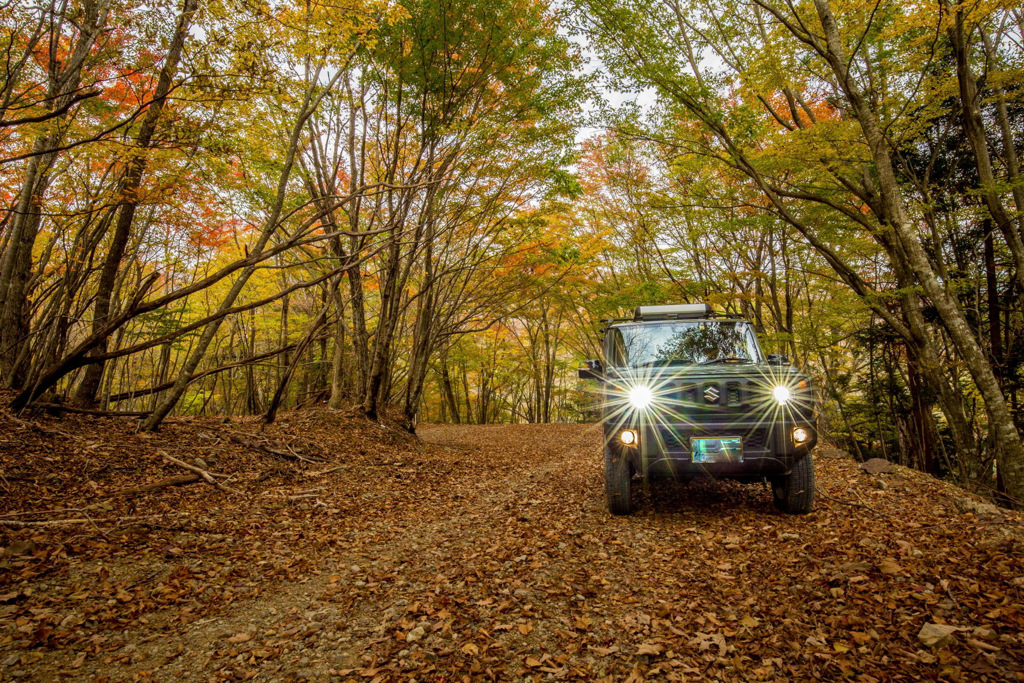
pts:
[711, 394]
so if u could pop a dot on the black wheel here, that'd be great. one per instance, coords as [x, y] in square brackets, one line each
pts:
[794, 492]
[618, 485]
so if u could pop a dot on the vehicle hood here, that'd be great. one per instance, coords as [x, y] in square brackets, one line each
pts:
[722, 371]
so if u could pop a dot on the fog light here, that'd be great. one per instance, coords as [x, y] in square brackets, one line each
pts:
[801, 435]
[628, 437]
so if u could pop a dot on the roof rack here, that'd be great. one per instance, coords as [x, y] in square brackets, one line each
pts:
[673, 312]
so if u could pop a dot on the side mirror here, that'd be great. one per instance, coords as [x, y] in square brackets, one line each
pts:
[592, 369]
[777, 359]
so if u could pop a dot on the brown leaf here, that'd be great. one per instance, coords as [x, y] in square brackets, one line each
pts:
[860, 638]
[889, 566]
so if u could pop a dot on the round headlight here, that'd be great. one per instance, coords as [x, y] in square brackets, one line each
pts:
[781, 394]
[640, 397]
[801, 435]
[628, 437]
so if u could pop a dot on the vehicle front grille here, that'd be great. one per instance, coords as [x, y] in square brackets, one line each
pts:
[676, 438]
[730, 394]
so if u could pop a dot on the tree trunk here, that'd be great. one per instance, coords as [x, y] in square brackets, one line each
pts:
[1006, 439]
[16, 263]
[129, 199]
[975, 129]
[449, 392]
[269, 228]
[992, 294]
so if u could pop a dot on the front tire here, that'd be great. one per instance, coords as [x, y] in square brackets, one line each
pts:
[618, 485]
[794, 492]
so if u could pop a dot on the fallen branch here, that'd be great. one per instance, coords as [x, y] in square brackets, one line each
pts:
[323, 472]
[852, 504]
[84, 520]
[60, 408]
[207, 477]
[41, 512]
[267, 449]
[179, 480]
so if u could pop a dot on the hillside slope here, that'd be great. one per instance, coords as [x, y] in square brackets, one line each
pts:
[343, 550]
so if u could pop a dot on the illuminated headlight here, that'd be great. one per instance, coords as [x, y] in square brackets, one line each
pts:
[801, 435]
[640, 397]
[628, 437]
[781, 394]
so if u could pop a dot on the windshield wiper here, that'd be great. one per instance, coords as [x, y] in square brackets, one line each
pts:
[674, 361]
[724, 359]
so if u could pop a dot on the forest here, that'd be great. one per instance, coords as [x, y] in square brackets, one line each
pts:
[294, 295]
[238, 207]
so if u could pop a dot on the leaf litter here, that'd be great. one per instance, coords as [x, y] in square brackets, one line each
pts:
[354, 552]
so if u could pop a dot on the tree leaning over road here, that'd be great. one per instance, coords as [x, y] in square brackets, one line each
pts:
[822, 116]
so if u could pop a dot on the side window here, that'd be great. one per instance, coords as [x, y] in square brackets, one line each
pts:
[618, 356]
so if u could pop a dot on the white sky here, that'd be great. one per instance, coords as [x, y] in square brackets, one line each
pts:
[615, 98]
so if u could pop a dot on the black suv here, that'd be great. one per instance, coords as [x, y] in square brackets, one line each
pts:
[688, 393]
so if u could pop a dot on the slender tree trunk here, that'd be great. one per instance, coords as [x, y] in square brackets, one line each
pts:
[995, 335]
[339, 372]
[423, 334]
[282, 386]
[449, 392]
[129, 200]
[16, 262]
[975, 129]
[269, 228]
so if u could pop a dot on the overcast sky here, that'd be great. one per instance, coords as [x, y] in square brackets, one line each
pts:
[613, 97]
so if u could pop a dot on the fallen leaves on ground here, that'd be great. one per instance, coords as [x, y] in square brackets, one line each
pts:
[358, 553]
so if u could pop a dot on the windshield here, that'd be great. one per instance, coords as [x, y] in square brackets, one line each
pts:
[683, 343]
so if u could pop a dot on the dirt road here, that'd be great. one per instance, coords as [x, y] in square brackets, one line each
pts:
[486, 553]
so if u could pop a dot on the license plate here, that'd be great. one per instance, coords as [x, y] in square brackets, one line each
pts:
[724, 449]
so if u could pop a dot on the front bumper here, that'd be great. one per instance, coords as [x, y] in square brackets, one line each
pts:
[768, 448]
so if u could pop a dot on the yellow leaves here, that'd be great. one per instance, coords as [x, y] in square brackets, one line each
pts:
[331, 30]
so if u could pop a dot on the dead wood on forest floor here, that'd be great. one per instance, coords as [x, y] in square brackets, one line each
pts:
[178, 480]
[208, 477]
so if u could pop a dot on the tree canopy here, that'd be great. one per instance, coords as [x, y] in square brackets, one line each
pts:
[236, 207]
